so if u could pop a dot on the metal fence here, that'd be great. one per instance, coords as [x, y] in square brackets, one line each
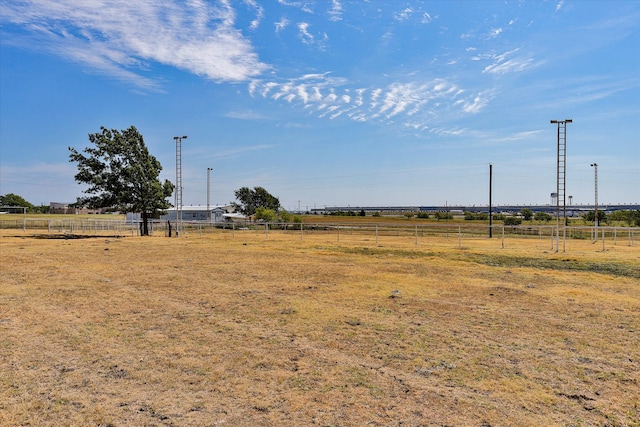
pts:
[369, 232]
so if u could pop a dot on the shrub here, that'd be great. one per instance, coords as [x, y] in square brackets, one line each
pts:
[527, 214]
[512, 220]
[443, 215]
[542, 216]
[476, 216]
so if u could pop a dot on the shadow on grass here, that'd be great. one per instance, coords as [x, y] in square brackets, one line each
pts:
[510, 261]
[68, 236]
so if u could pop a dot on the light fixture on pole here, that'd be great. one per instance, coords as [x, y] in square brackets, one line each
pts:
[209, 194]
[561, 181]
[595, 168]
[178, 195]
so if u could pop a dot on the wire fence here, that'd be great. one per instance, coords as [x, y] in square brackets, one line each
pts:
[338, 232]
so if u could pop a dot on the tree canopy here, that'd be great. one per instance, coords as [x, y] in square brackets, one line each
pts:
[249, 200]
[590, 216]
[11, 199]
[121, 173]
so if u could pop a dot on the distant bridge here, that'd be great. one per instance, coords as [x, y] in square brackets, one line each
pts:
[572, 210]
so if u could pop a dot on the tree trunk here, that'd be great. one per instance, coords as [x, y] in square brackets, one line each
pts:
[145, 224]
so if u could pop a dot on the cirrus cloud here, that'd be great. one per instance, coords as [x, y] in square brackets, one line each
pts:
[122, 39]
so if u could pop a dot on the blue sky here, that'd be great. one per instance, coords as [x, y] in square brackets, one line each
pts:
[329, 103]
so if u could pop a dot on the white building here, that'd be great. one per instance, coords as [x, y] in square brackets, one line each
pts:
[199, 213]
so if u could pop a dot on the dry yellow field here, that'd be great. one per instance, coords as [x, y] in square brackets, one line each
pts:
[237, 329]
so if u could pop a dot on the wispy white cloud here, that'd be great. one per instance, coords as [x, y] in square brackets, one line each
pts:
[309, 39]
[519, 136]
[246, 115]
[417, 104]
[122, 39]
[237, 151]
[259, 11]
[495, 32]
[305, 35]
[505, 62]
[281, 24]
[403, 15]
[509, 66]
[476, 104]
[335, 13]
[303, 5]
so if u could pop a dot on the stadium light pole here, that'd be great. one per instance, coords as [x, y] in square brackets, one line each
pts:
[490, 206]
[561, 181]
[595, 168]
[178, 195]
[209, 194]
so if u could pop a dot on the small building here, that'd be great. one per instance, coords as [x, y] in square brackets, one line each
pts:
[66, 208]
[236, 217]
[199, 213]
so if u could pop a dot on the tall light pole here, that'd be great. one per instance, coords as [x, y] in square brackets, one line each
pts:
[178, 197]
[490, 207]
[595, 168]
[561, 181]
[209, 194]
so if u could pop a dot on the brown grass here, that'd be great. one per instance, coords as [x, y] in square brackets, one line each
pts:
[241, 330]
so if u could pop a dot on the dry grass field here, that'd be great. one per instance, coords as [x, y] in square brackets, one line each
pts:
[237, 329]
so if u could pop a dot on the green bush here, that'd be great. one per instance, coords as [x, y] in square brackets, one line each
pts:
[512, 220]
[542, 216]
[476, 216]
[442, 215]
[527, 214]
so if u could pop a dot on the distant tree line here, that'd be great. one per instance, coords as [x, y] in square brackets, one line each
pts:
[262, 206]
[11, 199]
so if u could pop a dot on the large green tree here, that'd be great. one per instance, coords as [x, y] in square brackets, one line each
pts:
[248, 200]
[122, 175]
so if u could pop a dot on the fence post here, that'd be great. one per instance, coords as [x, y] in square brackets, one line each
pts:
[416, 235]
[376, 234]
[503, 236]
[301, 232]
[459, 237]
